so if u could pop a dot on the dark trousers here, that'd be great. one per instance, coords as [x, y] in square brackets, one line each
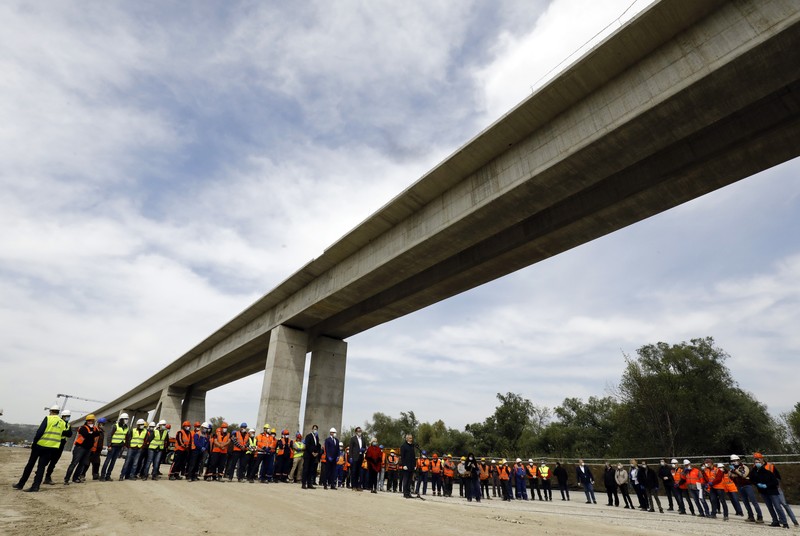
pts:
[773, 503]
[355, 473]
[548, 492]
[535, 487]
[283, 466]
[391, 481]
[216, 464]
[309, 469]
[717, 497]
[669, 490]
[422, 479]
[408, 476]
[331, 474]
[562, 487]
[626, 497]
[178, 464]
[748, 496]
[686, 500]
[448, 486]
[53, 461]
[131, 462]
[436, 483]
[613, 496]
[234, 464]
[485, 488]
[373, 480]
[111, 458]
[194, 466]
[80, 457]
[41, 455]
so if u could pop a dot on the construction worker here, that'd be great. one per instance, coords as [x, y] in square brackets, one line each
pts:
[788, 509]
[694, 485]
[183, 445]
[283, 457]
[151, 428]
[495, 476]
[217, 460]
[45, 445]
[423, 468]
[81, 449]
[449, 471]
[544, 474]
[135, 443]
[715, 489]
[156, 449]
[341, 465]
[740, 475]
[436, 475]
[504, 474]
[520, 474]
[681, 487]
[392, 462]
[730, 488]
[200, 444]
[116, 443]
[262, 443]
[298, 453]
[767, 483]
[272, 445]
[48, 478]
[532, 472]
[236, 456]
[484, 475]
[97, 447]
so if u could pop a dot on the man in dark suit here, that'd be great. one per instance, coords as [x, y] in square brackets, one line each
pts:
[408, 461]
[586, 478]
[311, 457]
[357, 448]
[331, 457]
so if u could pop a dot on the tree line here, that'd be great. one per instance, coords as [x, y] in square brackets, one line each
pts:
[671, 400]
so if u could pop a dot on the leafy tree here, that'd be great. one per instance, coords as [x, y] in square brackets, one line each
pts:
[582, 428]
[502, 433]
[216, 422]
[679, 399]
[791, 421]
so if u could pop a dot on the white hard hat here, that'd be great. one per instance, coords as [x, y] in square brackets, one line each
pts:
[720, 465]
[66, 413]
[530, 460]
[341, 444]
[686, 462]
[734, 457]
[252, 430]
[54, 407]
[163, 422]
[673, 461]
[140, 421]
[204, 425]
[152, 424]
[123, 416]
[333, 430]
[519, 460]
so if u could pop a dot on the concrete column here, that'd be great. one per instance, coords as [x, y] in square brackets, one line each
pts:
[283, 379]
[194, 406]
[170, 406]
[325, 392]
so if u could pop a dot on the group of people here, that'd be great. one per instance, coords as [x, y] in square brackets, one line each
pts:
[199, 452]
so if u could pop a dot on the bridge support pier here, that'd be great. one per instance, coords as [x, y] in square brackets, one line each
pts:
[170, 406]
[194, 406]
[325, 392]
[283, 379]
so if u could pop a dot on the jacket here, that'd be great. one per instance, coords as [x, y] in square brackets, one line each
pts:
[585, 476]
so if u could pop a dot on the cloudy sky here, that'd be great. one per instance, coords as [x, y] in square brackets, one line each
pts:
[164, 167]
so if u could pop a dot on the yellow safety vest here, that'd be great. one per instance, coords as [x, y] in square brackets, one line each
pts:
[51, 438]
[119, 435]
[544, 471]
[137, 438]
[159, 436]
[299, 449]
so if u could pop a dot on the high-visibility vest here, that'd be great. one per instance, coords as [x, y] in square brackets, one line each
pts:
[503, 471]
[137, 438]
[81, 438]
[262, 440]
[241, 441]
[483, 470]
[183, 440]
[423, 465]
[677, 476]
[341, 459]
[531, 471]
[220, 442]
[693, 477]
[769, 467]
[51, 438]
[272, 442]
[299, 449]
[159, 437]
[284, 444]
[544, 472]
[436, 466]
[119, 435]
[449, 469]
[391, 462]
[728, 485]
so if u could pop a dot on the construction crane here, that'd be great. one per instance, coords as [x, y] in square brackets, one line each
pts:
[67, 397]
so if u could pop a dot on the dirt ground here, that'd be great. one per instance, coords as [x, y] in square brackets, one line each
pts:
[111, 508]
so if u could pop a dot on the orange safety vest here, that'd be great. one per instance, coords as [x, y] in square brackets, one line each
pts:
[423, 465]
[532, 471]
[693, 477]
[677, 476]
[340, 460]
[436, 466]
[262, 440]
[283, 445]
[503, 471]
[769, 467]
[484, 471]
[186, 440]
[242, 440]
[449, 469]
[727, 484]
[391, 462]
[96, 445]
[220, 442]
[80, 439]
[711, 477]
[272, 442]
[364, 464]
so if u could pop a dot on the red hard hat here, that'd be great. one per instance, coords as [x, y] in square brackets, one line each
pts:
[285, 432]
[299, 436]
[169, 427]
[186, 423]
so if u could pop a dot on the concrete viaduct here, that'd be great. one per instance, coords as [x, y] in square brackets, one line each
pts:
[688, 97]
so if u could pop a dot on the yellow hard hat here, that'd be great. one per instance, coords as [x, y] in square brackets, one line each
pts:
[272, 430]
[90, 417]
[266, 427]
[463, 458]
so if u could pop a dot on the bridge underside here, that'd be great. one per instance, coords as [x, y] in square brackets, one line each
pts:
[687, 98]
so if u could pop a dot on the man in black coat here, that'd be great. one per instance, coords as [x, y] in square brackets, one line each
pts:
[665, 476]
[331, 458]
[311, 457]
[649, 480]
[357, 448]
[585, 478]
[408, 461]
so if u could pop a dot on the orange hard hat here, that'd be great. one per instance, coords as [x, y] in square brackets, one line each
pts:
[435, 455]
[197, 424]
[186, 423]
[758, 455]
[223, 425]
[285, 432]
